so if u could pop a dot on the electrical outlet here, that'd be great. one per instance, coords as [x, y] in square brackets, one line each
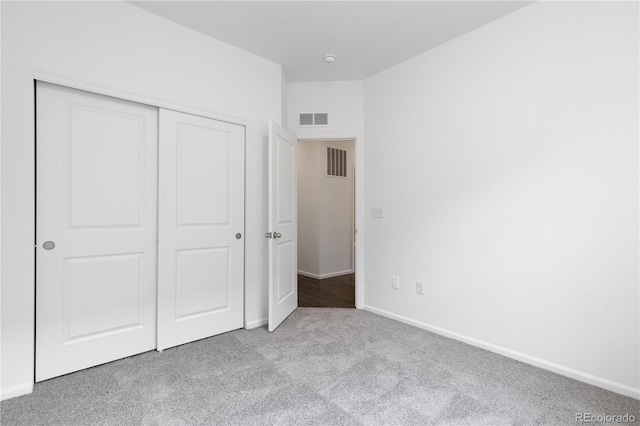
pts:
[395, 282]
[377, 212]
[420, 287]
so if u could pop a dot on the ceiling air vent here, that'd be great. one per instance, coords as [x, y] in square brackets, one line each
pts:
[313, 119]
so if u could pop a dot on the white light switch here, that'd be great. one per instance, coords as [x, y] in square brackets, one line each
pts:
[377, 213]
[395, 282]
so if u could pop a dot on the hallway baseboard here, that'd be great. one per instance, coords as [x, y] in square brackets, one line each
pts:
[325, 276]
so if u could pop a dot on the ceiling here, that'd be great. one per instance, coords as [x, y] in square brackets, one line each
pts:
[366, 36]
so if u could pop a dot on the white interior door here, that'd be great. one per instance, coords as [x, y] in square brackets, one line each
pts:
[96, 229]
[201, 232]
[283, 225]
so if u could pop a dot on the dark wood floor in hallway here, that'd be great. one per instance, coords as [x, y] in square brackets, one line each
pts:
[336, 292]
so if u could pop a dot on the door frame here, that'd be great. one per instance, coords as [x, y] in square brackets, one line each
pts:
[72, 83]
[358, 259]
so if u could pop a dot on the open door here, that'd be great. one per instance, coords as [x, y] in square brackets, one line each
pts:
[283, 225]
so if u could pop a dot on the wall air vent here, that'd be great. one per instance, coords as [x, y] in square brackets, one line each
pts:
[313, 119]
[306, 119]
[321, 119]
[336, 162]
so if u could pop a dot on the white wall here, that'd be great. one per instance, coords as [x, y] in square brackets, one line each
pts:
[506, 162]
[122, 47]
[343, 100]
[325, 212]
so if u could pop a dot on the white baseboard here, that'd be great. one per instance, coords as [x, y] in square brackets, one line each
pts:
[537, 362]
[323, 276]
[14, 391]
[309, 274]
[256, 323]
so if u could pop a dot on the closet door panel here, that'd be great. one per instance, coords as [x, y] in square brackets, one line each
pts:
[201, 232]
[96, 229]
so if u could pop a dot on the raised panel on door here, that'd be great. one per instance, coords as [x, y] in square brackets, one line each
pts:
[285, 163]
[283, 262]
[97, 202]
[201, 245]
[105, 174]
[285, 284]
[202, 282]
[203, 157]
[102, 295]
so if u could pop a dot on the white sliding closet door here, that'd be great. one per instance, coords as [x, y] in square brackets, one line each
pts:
[96, 229]
[201, 228]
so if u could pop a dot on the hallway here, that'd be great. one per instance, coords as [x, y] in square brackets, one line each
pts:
[336, 292]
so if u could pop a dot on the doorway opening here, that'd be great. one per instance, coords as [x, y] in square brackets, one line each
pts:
[326, 223]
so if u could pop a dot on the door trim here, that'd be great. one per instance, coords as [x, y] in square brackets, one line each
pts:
[359, 205]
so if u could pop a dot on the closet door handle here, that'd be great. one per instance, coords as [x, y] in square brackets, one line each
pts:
[277, 235]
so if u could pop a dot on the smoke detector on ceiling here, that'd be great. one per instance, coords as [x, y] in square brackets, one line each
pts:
[329, 58]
